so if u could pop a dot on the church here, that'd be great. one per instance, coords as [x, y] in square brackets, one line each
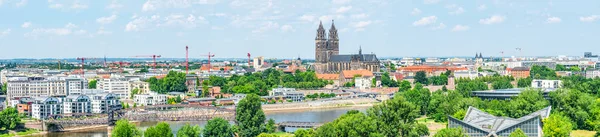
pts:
[328, 60]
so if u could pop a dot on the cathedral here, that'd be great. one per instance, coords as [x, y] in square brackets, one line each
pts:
[328, 60]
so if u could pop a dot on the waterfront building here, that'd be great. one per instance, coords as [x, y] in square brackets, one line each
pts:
[102, 102]
[477, 123]
[77, 105]
[119, 87]
[540, 83]
[41, 86]
[44, 107]
[328, 60]
[23, 105]
[363, 82]
[288, 94]
[149, 99]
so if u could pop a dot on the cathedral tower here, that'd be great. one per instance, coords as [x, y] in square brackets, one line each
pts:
[321, 55]
[333, 41]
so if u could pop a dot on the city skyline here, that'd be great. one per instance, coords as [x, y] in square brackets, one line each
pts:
[286, 29]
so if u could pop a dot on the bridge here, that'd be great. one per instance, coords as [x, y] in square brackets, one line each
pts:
[147, 113]
[292, 126]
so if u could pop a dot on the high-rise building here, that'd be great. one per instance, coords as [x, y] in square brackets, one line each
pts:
[119, 87]
[18, 87]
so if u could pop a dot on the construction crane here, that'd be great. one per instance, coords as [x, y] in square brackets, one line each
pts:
[209, 56]
[187, 64]
[83, 64]
[150, 56]
[249, 60]
[121, 65]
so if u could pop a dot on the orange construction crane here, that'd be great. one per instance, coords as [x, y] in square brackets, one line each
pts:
[209, 56]
[150, 56]
[83, 64]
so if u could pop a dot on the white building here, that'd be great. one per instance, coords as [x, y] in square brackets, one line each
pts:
[103, 101]
[151, 98]
[592, 73]
[363, 82]
[41, 86]
[144, 87]
[258, 62]
[538, 83]
[466, 74]
[77, 104]
[119, 87]
[74, 86]
[43, 107]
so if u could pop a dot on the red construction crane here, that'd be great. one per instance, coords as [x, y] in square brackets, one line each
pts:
[121, 65]
[187, 65]
[249, 60]
[83, 64]
[209, 55]
[150, 56]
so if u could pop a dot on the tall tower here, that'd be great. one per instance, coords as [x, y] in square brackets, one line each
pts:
[333, 41]
[321, 45]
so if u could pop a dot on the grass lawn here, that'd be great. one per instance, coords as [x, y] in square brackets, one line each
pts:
[582, 133]
[283, 134]
[433, 126]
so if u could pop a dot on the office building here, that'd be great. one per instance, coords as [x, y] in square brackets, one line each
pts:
[149, 99]
[18, 87]
[102, 102]
[44, 107]
[143, 87]
[119, 87]
[477, 123]
[77, 105]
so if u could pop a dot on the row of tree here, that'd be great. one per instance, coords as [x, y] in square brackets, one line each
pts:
[260, 82]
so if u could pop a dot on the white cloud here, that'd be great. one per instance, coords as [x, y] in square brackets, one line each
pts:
[308, 18]
[80, 32]
[63, 6]
[553, 20]
[415, 11]
[5, 32]
[173, 20]
[431, 1]
[455, 9]
[107, 20]
[493, 20]
[26, 25]
[71, 26]
[78, 5]
[102, 31]
[56, 6]
[482, 7]
[149, 6]
[362, 24]
[216, 28]
[340, 1]
[142, 23]
[425, 21]
[220, 15]
[266, 27]
[287, 28]
[114, 5]
[590, 18]
[441, 26]
[189, 21]
[460, 28]
[343, 9]
[21, 3]
[359, 16]
[66, 30]
[325, 18]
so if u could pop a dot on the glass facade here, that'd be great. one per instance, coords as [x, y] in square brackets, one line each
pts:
[530, 127]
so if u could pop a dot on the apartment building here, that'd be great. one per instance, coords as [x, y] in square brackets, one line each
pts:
[18, 87]
[538, 83]
[144, 87]
[103, 101]
[76, 105]
[44, 107]
[151, 98]
[119, 87]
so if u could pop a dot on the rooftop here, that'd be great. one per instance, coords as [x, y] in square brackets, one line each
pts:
[491, 123]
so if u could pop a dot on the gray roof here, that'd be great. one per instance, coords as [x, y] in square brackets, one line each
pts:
[480, 119]
[348, 58]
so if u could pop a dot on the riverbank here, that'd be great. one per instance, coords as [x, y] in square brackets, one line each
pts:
[318, 105]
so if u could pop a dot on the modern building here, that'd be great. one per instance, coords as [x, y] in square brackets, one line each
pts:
[328, 60]
[149, 99]
[477, 123]
[505, 94]
[519, 72]
[143, 87]
[44, 107]
[74, 86]
[288, 94]
[539, 83]
[592, 74]
[77, 105]
[41, 86]
[119, 87]
[102, 102]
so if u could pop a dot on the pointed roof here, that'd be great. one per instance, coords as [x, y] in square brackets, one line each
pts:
[332, 26]
[321, 26]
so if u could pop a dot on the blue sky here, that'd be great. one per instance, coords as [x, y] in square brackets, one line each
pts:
[287, 28]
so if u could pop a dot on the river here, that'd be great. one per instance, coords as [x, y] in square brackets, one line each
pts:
[321, 116]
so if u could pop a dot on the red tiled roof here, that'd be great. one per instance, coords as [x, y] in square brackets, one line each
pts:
[328, 76]
[361, 72]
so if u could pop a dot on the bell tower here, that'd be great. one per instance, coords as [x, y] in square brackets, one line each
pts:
[321, 45]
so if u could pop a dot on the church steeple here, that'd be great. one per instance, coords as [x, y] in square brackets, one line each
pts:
[360, 50]
[320, 32]
[333, 32]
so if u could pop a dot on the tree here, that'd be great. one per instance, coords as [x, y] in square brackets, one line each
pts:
[527, 102]
[557, 126]
[577, 106]
[178, 99]
[4, 89]
[560, 67]
[460, 114]
[421, 77]
[502, 84]
[9, 118]
[305, 133]
[271, 127]
[450, 132]
[134, 92]
[351, 124]
[266, 135]
[92, 84]
[249, 116]
[218, 127]
[404, 86]
[524, 82]
[162, 129]
[418, 96]
[396, 117]
[189, 131]
[143, 70]
[575, 68]
[205, 92]
[125, 129]
[517, 133]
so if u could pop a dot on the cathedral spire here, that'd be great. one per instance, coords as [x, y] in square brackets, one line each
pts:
[320, 32]
[333, 32]
[360, 50]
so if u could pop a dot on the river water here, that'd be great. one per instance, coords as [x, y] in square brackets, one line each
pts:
[320, 116]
